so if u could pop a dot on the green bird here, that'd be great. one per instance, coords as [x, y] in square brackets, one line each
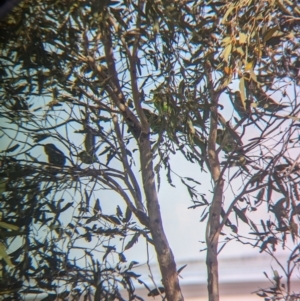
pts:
[155, 121]
[87, 157]
[162, 103]
[226, 140]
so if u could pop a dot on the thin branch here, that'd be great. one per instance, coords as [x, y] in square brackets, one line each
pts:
[136, 193]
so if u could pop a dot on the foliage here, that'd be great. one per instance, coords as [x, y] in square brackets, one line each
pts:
[124, 85]
[67, 259]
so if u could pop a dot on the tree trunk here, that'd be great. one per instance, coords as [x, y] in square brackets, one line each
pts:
[212, 238]
[213, 224]
[141, 132]
[164, 253]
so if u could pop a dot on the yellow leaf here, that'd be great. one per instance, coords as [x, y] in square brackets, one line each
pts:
[242, 38]
[290, 36]
[294, 118]
[249, 66]
[4, 255]
[229, 10]
[226, 41]
[8, 291]
[52, 103]
[228, 70]
[226, 52]
[156, 26]
[242, 90]
[191, 127]
[240, 51]
[9, 226]
[257, 50]
[53, 227]
[270, 33]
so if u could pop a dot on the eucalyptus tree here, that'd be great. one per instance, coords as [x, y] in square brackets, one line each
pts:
[124, 85]
[72, 70]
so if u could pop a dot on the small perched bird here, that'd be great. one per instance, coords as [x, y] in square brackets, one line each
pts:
[263, 100]
[229, 140]
[155, 121]
[87, 158]
[226, 140]
[240, 107]
[268, 103]
[55, 156]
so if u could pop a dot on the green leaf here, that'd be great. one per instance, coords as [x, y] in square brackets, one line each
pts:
[87, 157]
[2, 187]
[97, 208]
[67, 206]
[156, 292]
[109, 249]
[181, 268]
[260, 195]
[11, 149]
[132, 241]
[111, 219]
[128, 214]
[119, 211]
[240, 214]
[192, 180]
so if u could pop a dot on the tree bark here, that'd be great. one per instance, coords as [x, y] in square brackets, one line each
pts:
[212, 238]
[213, 224]
[141, 132]
[164, 253]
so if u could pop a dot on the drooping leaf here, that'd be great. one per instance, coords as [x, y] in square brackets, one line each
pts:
[111, 218]
[156, 292]
[67, 206]
[119, 212]
[11, 149]
[181, 268]
[128, 214]
[240, 214]
[133, 240]
[97, 208]
[109, 249]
